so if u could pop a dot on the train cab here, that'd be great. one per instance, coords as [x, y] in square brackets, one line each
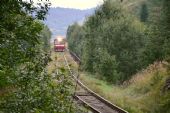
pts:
[59, 44]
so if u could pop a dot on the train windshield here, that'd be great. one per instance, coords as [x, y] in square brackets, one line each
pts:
[56, 42]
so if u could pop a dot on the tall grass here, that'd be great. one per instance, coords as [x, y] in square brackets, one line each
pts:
[141, 94]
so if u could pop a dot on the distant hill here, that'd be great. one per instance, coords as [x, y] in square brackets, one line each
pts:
[58, 19]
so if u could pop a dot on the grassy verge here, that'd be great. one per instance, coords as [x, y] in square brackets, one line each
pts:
[58, 63]
[141, 94]
[52, 65]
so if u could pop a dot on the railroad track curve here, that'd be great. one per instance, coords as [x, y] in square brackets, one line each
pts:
[87, 97]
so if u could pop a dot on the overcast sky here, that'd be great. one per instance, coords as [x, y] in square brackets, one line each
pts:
[78, 4]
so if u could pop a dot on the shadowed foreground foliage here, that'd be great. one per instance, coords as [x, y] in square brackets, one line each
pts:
[24, 55]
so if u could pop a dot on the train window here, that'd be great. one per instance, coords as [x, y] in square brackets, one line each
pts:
[58, 42]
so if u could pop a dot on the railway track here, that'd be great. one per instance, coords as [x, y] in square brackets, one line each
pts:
[60, 63]
[95, 102]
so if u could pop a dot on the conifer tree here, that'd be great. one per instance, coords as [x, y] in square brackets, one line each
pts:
[144, 13]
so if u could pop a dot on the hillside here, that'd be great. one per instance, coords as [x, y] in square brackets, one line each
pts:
[58, 19]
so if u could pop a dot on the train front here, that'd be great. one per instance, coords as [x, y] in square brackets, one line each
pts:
[59, 44]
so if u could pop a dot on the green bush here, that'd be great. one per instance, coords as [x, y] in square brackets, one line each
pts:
[3, 80]
[24, 47]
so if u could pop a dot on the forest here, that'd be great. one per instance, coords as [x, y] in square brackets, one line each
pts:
[120, 40]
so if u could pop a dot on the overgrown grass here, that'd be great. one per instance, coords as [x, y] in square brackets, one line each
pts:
[141, 94]
[52, 65]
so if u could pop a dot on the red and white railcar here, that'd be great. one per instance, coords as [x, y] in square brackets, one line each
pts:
[59, 44]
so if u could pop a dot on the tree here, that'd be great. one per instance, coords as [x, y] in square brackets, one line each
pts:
[75, 35]
[144, 13]
[46, 36]
[165, 22]
[23, 51]
[112, 35]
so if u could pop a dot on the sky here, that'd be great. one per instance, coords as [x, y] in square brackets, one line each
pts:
[77, 4]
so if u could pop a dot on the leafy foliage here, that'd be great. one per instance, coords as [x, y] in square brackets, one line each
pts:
[144, 13]
[46, 35]
[24, 46]
[115, 34]
[36, 91]
[116, 45]
[75, 34]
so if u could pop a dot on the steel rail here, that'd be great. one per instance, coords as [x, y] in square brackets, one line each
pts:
[101, 99]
